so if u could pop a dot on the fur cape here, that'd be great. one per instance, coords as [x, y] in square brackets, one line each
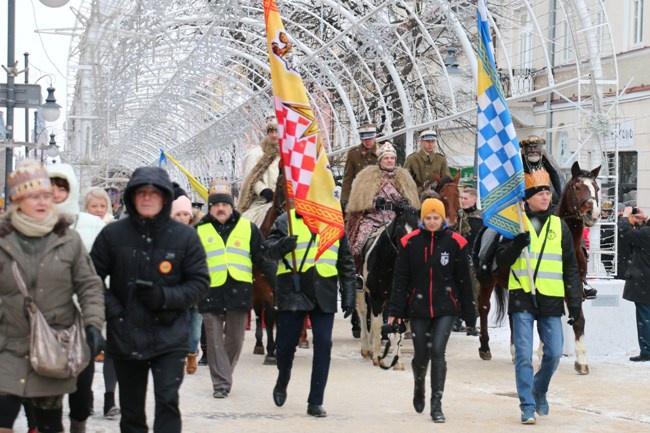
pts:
[248, 194]
[367, 183]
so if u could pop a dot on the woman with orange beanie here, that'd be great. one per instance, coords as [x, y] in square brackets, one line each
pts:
[431, 287]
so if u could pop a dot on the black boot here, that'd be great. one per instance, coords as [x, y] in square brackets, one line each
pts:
[419, 376]
[438, 376]
[204, 356]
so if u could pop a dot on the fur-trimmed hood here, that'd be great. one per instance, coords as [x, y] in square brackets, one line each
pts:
[367, 183]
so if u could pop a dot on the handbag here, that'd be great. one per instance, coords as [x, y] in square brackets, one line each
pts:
[56, 353]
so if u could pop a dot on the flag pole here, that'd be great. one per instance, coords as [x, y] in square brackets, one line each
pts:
[287, 204]
[533, 291]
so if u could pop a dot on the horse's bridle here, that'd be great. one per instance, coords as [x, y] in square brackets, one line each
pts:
[574, 201]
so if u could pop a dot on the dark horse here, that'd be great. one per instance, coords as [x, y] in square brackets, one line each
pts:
[579, 208]
[380, 253]
[263, 300]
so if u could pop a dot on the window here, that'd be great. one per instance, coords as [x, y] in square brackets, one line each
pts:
[526, 41]
[637, 25]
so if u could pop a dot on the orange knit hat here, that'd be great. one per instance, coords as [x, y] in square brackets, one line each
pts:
[432, 205]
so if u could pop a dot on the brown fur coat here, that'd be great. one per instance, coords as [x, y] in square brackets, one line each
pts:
[367, 183]
[259, 175]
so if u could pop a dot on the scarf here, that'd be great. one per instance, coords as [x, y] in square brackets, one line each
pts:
[33, 227]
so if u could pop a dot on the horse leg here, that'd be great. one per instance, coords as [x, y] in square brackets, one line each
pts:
[484, 295]
[304, 341]
[375, 336]
[269, 323]
[259, 344]
[362, 308]
[581, 350]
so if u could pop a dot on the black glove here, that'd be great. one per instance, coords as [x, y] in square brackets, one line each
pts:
[574, 314]
[95, 341]
[288, 244]
[151, 296]
[267, 194]
[522, 240]
[347, 311]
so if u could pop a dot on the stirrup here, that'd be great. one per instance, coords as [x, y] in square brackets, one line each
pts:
[360, 283]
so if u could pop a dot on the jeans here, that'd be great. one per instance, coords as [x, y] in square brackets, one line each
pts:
[195, 320]
[643, 327]
[132, 375]
[289, 329]
[550, 333]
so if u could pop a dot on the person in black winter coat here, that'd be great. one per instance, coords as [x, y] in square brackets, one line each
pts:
[157, 270]
[431, 287]
[233, 245]
[313, 292]
[637, 236]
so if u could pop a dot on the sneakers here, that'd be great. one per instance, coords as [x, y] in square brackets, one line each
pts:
[541, 404]
[112, 412]
[528, 415]
[458, 325]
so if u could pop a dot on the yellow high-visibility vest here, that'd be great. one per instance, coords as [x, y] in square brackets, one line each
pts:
[549, 279]
[232, 258]
[326, 264]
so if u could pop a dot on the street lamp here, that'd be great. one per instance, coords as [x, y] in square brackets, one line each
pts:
[11, 88]
[52, 148]
[50, 110]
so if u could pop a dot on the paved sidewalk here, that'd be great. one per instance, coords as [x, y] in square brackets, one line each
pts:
[480, 395]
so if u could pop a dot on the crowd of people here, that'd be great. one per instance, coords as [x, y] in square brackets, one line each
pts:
[165, 283]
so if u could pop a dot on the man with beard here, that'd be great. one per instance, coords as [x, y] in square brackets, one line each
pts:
[261, 168]
[535, 158]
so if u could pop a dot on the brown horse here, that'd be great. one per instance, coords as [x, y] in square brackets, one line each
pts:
[579, 208]
[450, 196]
[263, 300]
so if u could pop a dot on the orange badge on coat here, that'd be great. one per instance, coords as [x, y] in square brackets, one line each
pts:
[165, 267]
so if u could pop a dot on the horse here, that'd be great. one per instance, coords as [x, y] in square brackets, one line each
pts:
[579, 208]
[380, 253]
[263, 300]
[447, 188]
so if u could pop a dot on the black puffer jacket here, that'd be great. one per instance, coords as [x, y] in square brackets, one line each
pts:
[518, 301]
[233, 294]
[316, 290]
[160, 250]
[636, 277]
[432, 277]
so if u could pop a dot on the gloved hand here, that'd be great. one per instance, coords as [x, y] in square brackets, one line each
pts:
[288, 244]
[95, 341]
[574, 314]
[347, 311]
[267, 194]
[522, 240]
[150, 295]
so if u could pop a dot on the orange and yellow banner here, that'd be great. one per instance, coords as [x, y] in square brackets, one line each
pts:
[309, 179]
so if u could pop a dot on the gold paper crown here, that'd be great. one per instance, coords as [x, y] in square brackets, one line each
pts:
[220, 186]
[537, 179]
[531, 139]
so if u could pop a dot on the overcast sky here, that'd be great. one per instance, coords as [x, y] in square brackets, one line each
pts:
[48, 53]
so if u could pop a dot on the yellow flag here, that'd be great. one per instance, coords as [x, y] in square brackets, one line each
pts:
[200, 189]
[309, 179]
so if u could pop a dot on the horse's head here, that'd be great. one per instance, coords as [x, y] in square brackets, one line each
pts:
[406, 220]
[580, 197]
[450, 197]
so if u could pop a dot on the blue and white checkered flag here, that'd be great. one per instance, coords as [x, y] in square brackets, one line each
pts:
[501, 172]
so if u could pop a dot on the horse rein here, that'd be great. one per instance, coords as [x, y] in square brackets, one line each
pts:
[386, 349]
[576, 205]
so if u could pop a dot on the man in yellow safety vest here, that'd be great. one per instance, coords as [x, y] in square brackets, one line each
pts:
[554, 269]
[232, 245]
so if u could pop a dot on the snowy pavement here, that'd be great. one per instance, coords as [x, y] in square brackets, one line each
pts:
[479, 395]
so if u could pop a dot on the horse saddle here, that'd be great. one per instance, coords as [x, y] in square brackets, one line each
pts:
[370, 240]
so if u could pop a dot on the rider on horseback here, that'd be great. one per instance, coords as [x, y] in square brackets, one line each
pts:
[425, 164]
[535, 158]
[375, 193]
[261, 165]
